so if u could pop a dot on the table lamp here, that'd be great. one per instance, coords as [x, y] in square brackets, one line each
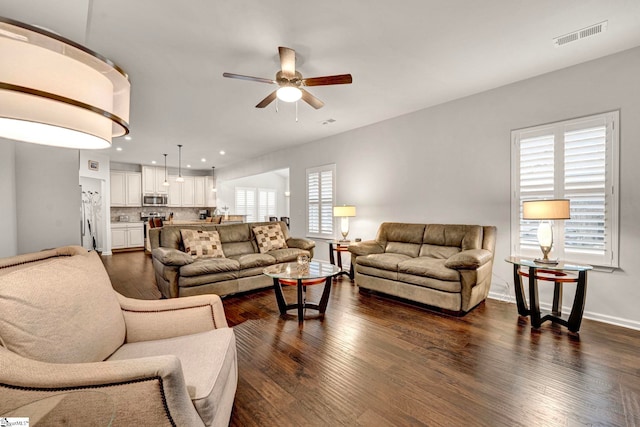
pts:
[546, 211]
[344, 212]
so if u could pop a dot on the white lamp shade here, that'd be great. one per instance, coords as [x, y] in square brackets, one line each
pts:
[56, 92]
[344, 211]
[289, 94]
[546, 209]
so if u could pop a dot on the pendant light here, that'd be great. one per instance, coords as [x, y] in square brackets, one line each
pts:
[56, 92]
[165, 183]
[179, 178]
[213, 180]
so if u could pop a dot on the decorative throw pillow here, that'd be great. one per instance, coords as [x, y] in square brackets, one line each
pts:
[269, 237]
[202, 244]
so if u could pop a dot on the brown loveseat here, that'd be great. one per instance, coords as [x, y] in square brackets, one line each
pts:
[445, 266]
[71, 345]
[179, 274]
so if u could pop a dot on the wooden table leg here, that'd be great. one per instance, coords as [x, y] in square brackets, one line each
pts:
[282, 304]
[519, 290]
[332, 260]
[322, 307]
[557, 299]
[577, 310]
[300, 302]
[533, 298]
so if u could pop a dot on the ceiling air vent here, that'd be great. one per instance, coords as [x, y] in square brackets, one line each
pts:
[591, 30]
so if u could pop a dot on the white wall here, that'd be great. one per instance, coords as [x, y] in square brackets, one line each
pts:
[270, 180]
[47, 197]
[8, 224]
[451, 164]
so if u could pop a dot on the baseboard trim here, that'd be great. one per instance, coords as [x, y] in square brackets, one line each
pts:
[598, 317]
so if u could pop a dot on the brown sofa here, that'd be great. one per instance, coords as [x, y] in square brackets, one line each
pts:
[178, 274]
[444, 266]
[78, 353]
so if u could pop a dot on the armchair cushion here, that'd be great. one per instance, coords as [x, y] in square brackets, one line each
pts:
[62, 310]
[207, 359]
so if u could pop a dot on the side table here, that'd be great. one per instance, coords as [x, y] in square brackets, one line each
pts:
[339, 246]
[558, 274]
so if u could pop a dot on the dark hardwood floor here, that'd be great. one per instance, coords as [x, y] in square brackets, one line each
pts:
[373, 361]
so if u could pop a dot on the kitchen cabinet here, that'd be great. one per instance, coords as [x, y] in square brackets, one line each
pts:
[152, 180]
[127, 235]
[189, 193]
[126, 188]
[200, 188]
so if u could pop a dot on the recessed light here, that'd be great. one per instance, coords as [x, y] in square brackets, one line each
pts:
[128, 138]
[153, 162]
[188, 166]
[222, 153]
[119, 149]
[203, 160]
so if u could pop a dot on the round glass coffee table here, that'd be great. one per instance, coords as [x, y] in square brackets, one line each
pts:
[302, 275]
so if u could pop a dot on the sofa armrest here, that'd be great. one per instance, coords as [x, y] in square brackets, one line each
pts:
[170, 256]
[300, 243]
[147, 320]
[159, 379]
[365, 248]
[469, 260]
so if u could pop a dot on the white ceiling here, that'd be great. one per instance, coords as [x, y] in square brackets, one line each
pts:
[404, 55]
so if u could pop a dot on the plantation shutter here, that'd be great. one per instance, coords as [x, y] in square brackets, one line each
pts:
[246, 203]
[266, 204]
[320, 201]
[576, 160]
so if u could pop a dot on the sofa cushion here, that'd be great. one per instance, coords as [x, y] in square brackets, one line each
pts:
[382, 261]
[441, 252]
[463, 236]
[209, 266]
[254, 260]
[288, 255]
[67, 311]
[409, 249]
[269, 237]
[202, 243]
[208, 360]
[429, 267]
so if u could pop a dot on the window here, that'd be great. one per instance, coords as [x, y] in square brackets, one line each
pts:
[266, 204]
[320, 201]
[258, 204]
[246, 203]
[576, 160]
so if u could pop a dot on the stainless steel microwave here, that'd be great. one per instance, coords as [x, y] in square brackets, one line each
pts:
[155, 200]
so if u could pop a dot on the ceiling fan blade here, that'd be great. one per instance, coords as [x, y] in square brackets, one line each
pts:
[253, 79]
[268, 100]
[287, 61]
[311, 100]
[340, 79]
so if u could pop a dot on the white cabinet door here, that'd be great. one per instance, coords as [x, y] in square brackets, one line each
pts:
[134, 189]
[135, 237]
[160, 188]
[200, 199]
[189, 191]
[210, 194]
[175, 191]
[118, 188]
[118, 238]
[148, 180]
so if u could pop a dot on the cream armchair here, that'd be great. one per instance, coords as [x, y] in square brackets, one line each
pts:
[63, 329]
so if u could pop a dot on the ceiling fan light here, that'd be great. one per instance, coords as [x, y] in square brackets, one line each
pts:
[289, 94]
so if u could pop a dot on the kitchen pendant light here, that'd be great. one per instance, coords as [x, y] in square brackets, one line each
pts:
[179, 178]
[56, 92]
[213, 180]
[165, 183]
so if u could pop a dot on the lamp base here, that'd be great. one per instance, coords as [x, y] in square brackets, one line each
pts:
[546, 261]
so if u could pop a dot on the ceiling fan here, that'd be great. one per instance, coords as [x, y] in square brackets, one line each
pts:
[291, 83]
